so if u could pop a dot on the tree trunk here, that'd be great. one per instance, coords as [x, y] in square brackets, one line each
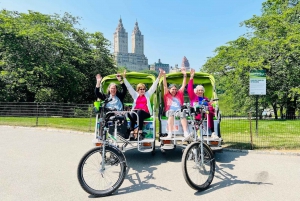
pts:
[275, 110]
[291, 109]
[281, 112]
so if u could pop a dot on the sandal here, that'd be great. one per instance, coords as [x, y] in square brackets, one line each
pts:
[131, 135]
[141, 135]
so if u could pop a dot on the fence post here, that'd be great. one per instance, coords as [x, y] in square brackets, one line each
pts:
[251, 139]
[37, 114]
[91, 116]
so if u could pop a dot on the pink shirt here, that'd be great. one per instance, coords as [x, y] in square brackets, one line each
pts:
[168, 99]
[194, 98]
[141, 104]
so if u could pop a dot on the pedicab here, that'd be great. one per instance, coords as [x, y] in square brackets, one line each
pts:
[208, 82]
[102, 170]
[198, 161]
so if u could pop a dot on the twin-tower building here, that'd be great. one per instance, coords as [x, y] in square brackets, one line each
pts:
[136, 60]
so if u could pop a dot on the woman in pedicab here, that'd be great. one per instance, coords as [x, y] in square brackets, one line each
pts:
[112, 92]
[197, 96]
[116, 102]
[173, 100]
[141, 103]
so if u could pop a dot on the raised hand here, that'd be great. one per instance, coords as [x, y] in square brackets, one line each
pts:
[98, 78]
[161, 72]
[124, 74]
[118, 76]
[192, 73]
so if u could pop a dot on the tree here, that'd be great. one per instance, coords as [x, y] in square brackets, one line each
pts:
[45, 58]
[274, 46]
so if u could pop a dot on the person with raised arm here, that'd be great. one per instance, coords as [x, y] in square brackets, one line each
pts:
[173, 100]
[141, 102]
[112, 92]
[197, 96]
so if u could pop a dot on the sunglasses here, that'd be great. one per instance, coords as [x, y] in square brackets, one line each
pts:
[142, 89]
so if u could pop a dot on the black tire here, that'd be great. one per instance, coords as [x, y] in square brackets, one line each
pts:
[101, 184]
[198, 176]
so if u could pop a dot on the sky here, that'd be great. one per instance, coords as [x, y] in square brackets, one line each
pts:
[172, 29]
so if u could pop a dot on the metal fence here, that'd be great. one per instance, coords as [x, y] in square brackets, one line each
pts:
[242, 132]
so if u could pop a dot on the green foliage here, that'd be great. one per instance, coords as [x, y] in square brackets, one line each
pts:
[46, 58]
[274, 45]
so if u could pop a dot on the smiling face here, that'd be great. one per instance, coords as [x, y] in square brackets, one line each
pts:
[113, 89]
[199, 91]
[173, 90]
[141, 89]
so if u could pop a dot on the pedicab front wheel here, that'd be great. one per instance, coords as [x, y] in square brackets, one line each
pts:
[101, 176]
[198, 173]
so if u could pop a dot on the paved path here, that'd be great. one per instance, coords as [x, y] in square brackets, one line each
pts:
[40, 164]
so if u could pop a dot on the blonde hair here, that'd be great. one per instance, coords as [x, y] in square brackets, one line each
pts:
[110, 85]
[199, 86]
[140, 85]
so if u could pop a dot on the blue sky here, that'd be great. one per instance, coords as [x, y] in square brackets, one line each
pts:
[171, 28]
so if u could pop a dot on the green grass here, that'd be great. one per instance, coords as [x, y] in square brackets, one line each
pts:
[272, 134]
[78, 124]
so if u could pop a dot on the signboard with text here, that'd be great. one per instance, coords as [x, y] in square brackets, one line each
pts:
[258, 82]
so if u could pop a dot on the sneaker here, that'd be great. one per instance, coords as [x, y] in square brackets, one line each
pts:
[166, 138]
[141, 136]
[214, 136]
[188, 138]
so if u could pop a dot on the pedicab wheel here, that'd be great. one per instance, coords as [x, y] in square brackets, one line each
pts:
[197, 175]
[99, 181]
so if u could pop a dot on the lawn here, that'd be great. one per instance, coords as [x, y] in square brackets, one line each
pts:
[271, 134]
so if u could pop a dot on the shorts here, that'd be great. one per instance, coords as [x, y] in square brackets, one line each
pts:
[182, 114]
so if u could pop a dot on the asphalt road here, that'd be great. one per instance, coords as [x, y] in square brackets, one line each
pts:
[41, 164]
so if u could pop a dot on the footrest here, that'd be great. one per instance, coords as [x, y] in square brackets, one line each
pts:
[167, 146]
[146, 145]
[213, 142]
[147, 140]
[97, 142]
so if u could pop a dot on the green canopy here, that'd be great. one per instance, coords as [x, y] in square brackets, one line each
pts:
[132, 77]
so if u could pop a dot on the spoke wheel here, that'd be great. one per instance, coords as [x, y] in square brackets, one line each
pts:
[198, 175]
[95, 179]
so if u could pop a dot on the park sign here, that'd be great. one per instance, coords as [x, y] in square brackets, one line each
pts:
[258, 82]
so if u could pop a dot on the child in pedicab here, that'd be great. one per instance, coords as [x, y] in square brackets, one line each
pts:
[197, 96]
[173, 100]
[141, 103]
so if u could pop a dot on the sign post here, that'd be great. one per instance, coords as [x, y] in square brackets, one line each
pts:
[258, 86]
